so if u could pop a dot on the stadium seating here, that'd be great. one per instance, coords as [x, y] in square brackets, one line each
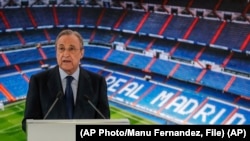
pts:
[188, 43]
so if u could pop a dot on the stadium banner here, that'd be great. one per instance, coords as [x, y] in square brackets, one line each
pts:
[226, 132]
[173, 103]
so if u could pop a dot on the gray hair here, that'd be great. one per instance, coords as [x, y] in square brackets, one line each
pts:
[70, 32]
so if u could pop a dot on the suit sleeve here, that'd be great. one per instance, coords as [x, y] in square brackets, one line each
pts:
[32, 106]
[103, 105]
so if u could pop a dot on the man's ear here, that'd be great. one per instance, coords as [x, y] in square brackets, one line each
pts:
[82, 53]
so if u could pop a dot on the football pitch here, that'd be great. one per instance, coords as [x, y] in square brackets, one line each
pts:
[11, 117]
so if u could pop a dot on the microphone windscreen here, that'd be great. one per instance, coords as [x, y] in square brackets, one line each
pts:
[86, 97]
[59, 95]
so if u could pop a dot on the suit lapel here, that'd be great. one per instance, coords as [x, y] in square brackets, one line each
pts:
[84, 88]
[54, 88]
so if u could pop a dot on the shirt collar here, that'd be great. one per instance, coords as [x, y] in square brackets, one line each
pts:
[75, 75]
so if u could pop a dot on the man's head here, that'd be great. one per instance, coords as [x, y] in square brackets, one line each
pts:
[69, 50]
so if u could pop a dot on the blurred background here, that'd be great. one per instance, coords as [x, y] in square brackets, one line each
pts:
[168, 61]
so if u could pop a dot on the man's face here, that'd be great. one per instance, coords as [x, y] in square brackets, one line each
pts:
[69, 53]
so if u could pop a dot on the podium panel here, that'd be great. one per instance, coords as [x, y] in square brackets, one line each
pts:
[63, 130]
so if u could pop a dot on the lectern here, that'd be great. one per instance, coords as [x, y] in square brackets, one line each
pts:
[63, 130]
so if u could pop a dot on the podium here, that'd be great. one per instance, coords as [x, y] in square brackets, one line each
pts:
[63, 130]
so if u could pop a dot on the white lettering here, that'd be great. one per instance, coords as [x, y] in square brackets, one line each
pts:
[205, 111]
[163, 97]
[192, 102]
[239, 116]
[115, 84]
[177, 102]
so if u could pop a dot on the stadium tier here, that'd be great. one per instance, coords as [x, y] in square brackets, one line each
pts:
[173, 61]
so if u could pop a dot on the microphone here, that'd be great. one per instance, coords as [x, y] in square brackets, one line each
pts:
[58, 96]
[92, 105]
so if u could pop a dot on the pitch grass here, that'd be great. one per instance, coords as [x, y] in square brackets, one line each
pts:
[11, 117]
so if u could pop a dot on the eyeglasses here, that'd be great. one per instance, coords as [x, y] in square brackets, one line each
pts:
[71, 50]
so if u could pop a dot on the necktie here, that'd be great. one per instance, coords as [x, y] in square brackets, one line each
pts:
[69, 97]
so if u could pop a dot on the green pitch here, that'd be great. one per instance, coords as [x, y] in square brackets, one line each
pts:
[11, 117]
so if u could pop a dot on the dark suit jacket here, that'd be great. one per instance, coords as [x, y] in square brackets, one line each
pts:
[44, 87]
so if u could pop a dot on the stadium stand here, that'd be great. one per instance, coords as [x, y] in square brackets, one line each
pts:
[194, 54]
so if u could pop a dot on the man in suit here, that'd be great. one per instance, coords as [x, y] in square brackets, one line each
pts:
[45, 86]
